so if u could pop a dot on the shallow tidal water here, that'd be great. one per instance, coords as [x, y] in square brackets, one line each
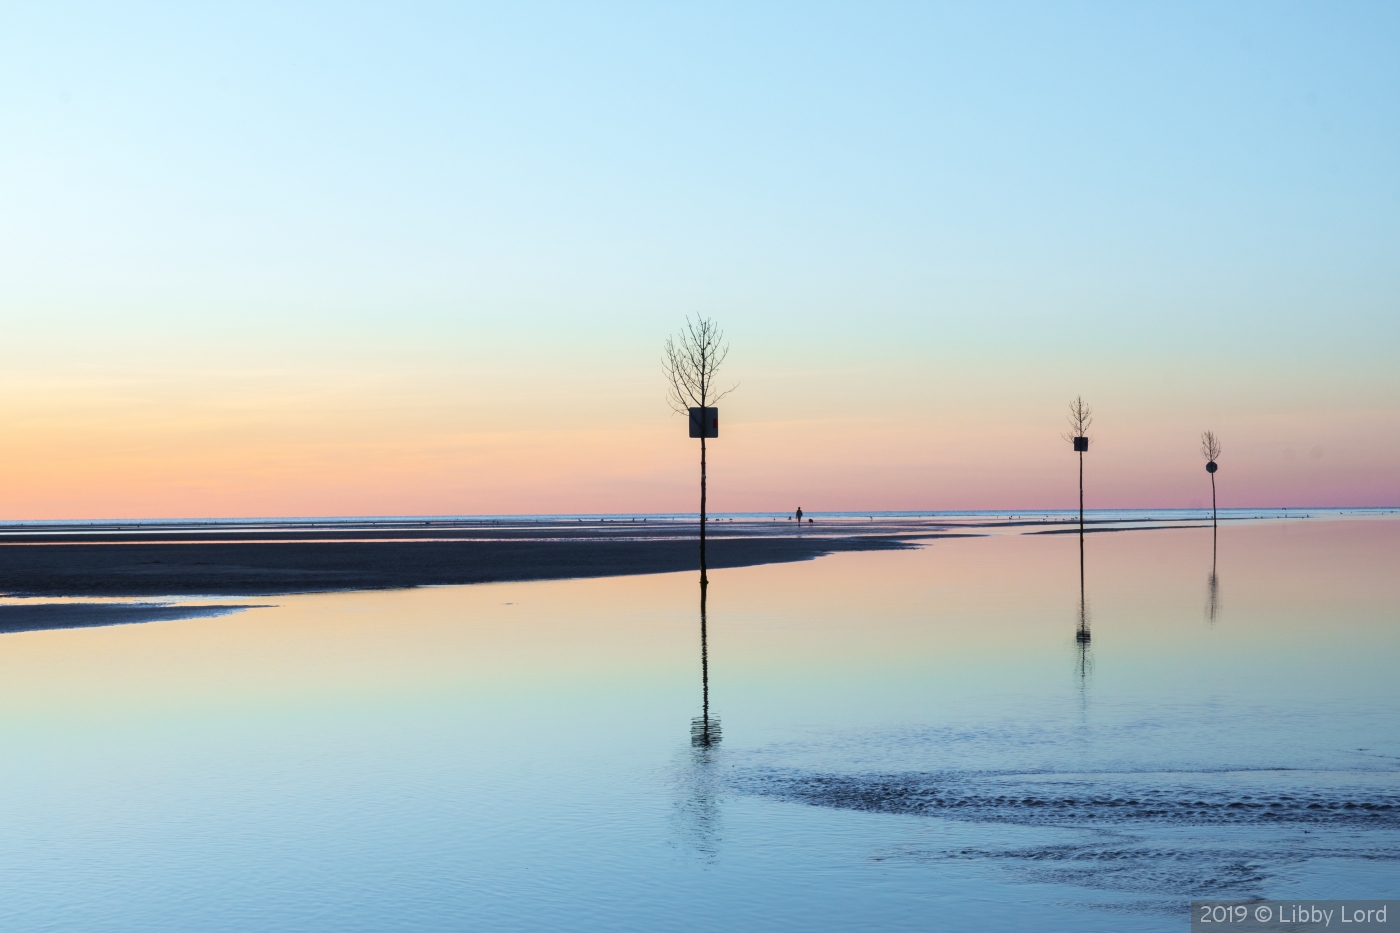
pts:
[912, 740]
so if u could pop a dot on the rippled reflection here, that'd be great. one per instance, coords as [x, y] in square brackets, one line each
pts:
[1084, 662]
[908, 734]
[702, 788]
[1213, 581]
[703, 785]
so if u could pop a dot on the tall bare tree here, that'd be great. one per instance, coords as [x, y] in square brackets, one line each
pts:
[1210, 449]
[1080, 417]
[692, 359]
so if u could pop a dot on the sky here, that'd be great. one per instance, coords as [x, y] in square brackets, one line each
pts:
[416, 258]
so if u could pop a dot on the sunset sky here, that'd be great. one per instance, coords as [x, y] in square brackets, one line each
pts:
[300, 259]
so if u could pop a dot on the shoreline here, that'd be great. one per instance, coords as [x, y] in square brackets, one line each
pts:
[272, 568]
[274, 558]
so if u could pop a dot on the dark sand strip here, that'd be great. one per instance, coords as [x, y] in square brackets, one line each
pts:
[463, 531]
[139, 569]
[44, 616]
[1090, 531]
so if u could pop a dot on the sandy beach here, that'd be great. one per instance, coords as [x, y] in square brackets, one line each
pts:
[306, 556]
[279, 558]
[37, 617]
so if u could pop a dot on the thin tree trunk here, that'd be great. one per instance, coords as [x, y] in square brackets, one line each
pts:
[1082, 635]
[704, 579]
[1213, 519]
[1081, 494]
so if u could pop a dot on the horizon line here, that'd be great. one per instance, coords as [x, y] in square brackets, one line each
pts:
[692, 516]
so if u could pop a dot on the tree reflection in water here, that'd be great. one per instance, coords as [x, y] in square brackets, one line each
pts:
[1084, 663]
[704, 731]
[699, 803]
[1213, 582]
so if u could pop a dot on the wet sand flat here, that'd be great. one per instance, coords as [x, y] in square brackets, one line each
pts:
[281, 556]
[48, 616]
[222, 561]
[904, 740]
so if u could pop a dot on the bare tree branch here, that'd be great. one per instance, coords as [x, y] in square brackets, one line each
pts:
[691, 359]
[1210, 446]
[1080, 417]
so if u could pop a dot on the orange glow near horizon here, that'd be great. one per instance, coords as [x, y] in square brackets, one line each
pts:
[297, 446]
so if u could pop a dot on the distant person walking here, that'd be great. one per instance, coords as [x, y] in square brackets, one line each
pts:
[799, 513]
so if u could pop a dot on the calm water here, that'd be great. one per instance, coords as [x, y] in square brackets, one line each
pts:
[912, 740]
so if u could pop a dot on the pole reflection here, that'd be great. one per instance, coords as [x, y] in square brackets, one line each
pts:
[699, 803]
[1213, 581]
[704, 731]
[1084, 662]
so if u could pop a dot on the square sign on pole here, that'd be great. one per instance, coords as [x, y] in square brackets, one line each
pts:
[704, 422]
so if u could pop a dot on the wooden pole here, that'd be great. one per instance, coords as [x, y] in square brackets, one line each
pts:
[1081, 495]
[704, 579]
[1213, 519]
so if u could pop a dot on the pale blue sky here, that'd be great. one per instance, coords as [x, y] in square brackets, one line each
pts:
[1136, 200]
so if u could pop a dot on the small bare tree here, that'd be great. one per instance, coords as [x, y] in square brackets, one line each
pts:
[1210, 449]
[691, 359]
[1080, 417]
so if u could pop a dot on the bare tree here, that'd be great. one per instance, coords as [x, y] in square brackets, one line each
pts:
[691, 359]
[1210, 445]
[1210, 449]
[1080, 417]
